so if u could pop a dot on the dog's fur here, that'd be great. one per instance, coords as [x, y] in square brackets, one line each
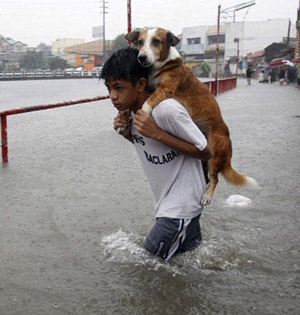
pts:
[172, 78]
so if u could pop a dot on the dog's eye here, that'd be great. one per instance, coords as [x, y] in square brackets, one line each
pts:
[141, 42]
[156, 42]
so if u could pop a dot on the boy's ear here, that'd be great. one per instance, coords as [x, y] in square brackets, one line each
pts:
[141, 84]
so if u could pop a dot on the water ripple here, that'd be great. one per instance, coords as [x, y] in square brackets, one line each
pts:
[125, 248]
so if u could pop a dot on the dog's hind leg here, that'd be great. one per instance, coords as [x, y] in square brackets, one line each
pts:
[220, 145]
[214, 168]
[213, 181]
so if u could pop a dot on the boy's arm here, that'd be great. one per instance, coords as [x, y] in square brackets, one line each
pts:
[145, 124]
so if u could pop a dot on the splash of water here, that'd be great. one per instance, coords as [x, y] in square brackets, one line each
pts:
[211, 256]
[126, 248]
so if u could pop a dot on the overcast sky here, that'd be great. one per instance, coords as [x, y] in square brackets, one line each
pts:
[35, 21]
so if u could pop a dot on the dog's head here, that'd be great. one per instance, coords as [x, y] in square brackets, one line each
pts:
[153, 45]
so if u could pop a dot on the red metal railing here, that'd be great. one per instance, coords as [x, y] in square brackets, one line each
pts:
[5, 113]
[223, 85]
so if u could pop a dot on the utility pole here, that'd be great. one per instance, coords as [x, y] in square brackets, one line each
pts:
[237, 41]
[103, 17]
[217, 51]
[297, 52]
[288, 35]
[231, 9]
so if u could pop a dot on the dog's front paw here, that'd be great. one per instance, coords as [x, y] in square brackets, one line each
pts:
[147, 108]
[206, 199]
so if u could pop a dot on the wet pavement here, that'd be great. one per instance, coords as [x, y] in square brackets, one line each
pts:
[75, 207]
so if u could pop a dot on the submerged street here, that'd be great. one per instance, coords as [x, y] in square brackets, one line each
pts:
[75, 208]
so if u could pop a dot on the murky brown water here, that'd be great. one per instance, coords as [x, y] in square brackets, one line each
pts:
[75, 208]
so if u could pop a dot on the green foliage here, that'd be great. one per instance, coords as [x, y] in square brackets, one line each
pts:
[33, 60]
[201, 69]
[118, 43]
[57, 63]
[204, 70]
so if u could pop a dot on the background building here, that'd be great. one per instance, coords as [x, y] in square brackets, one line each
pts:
[87, 55]
[59, 45]
[211, 48]
[255, 36]
[10, 52]
[199, 42]
[193, 43]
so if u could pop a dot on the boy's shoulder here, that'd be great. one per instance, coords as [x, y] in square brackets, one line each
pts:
[169, 107]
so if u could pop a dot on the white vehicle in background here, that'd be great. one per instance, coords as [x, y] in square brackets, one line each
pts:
[73, 72]
[96, 71]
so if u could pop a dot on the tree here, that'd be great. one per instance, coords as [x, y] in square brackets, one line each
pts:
[204, 70]
[33, 60]
[57, 63]
[201, 69]
[118, 43]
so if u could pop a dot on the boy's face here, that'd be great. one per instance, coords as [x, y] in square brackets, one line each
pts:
[123, 94]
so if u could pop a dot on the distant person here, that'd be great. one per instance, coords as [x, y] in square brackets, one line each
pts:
[266, 75]
[227, 71]
[261, 77]
[273, 75]
[292, 74]
[281, 76]
[163, 142]
[287, 75]
[249, 72]
[298, 75]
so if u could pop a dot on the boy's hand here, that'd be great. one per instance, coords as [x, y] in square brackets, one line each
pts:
[122, 120]
[122, 124]
[145, 124]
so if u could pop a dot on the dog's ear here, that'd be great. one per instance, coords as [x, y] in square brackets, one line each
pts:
[133, 37]
[172, 40]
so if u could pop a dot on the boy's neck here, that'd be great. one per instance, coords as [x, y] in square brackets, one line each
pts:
[141, 101]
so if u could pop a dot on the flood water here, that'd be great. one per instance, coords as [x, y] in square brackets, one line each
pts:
[76, 207]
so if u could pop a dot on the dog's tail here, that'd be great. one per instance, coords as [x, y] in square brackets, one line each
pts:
[233, 177]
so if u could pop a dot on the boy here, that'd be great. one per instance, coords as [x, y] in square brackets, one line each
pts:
[169, 146]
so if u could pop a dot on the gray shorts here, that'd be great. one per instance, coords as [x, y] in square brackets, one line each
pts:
[170, 236]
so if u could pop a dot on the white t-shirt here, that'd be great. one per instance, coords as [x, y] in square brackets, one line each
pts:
[177, 181]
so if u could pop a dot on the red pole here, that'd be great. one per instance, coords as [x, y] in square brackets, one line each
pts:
[49, 106]
[5, 113]
[4, 138]
[129, 15]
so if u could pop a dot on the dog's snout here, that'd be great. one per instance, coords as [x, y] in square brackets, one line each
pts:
[142, 58]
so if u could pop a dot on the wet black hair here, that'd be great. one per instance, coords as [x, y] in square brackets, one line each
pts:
[124, 65]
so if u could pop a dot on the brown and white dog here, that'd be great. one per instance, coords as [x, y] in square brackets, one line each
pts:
[171, 78]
